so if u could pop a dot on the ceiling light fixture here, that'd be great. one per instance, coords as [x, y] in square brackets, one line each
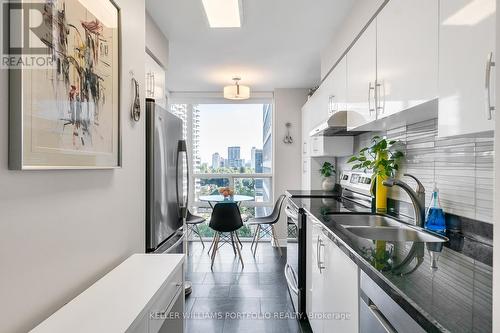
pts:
[236, 91]
[222, 13]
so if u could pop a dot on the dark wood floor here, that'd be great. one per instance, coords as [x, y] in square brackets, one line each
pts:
[232, 299]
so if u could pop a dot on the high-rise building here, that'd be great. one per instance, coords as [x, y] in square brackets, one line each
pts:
[258, 169]
[233, 157]
[216, 159]
[252, 158]
[190, 115]
[258, 161]
[267, 150]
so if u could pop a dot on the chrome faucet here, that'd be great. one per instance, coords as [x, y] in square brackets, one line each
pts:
[417, 197]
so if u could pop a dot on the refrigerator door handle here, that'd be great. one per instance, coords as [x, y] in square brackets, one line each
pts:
[182, 148]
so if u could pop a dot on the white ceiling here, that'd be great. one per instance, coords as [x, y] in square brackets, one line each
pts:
[278, 45]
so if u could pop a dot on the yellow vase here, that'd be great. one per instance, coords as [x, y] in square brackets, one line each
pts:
[381, 195]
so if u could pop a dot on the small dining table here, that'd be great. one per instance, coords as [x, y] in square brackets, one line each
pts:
[216, 198]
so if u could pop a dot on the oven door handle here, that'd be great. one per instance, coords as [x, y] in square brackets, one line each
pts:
[291, 281]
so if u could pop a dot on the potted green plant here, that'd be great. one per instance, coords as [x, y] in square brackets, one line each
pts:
[327, 171]
[382, 158]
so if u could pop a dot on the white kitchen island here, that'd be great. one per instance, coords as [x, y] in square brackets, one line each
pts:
[145, 293]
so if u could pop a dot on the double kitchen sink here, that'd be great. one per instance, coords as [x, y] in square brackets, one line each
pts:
[384, 228]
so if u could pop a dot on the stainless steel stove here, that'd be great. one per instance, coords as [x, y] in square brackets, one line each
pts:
[357, 187]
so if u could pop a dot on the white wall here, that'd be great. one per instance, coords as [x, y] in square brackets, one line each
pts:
[496, 234]
[352, 25]
[62, 230]
[156, 42]
[287, 157]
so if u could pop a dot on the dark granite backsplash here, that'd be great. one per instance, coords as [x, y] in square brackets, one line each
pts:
[469, 237]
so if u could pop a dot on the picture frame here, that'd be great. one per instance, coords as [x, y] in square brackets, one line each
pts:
[66, 114]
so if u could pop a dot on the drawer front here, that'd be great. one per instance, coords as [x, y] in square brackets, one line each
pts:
[395, 315]
[165, 297]
[317, 146]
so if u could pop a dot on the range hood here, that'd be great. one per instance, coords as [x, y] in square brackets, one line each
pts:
[336, 125]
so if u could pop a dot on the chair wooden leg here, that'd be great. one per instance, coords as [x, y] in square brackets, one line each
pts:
[232, 243]
[276, 240]
[239, 254]
[214, 251]
[199, 235]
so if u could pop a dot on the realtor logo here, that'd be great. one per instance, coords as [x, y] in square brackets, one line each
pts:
[27, 34]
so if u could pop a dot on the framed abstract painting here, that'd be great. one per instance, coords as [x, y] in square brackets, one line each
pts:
[65, 110]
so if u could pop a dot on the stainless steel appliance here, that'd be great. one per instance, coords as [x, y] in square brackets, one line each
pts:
[295, 268]
[335, 125]
[357, 187]
[355, 198]
[166, 180]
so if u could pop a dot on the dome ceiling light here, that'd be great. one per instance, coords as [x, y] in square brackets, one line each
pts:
[236, 91]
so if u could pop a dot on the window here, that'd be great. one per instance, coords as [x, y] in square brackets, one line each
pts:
[230, 145]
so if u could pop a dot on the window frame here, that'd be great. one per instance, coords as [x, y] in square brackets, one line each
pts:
[196, 98]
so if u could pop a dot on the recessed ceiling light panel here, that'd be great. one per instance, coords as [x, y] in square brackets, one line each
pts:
[222, 13]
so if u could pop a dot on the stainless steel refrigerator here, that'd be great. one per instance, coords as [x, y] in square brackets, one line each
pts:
[166, 180]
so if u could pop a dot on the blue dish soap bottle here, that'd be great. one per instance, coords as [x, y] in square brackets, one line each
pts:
[434, 219]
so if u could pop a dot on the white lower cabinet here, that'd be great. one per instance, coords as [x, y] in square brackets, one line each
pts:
[332, 284]
[144, 294]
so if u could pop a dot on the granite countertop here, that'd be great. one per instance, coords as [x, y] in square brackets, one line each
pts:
[457, 297]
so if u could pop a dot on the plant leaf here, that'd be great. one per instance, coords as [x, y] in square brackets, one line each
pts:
[352, 159]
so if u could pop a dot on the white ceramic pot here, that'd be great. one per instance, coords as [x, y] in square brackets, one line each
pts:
[328, 184]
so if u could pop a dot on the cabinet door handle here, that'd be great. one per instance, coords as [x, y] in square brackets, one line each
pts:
[317, 253]
[379, 98]
[321, 263]
[489, 108]
[375, 312]
[154, 84]
[332, 106]
[370, 89]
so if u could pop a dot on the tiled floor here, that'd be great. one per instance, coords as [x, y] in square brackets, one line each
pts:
[232, 299]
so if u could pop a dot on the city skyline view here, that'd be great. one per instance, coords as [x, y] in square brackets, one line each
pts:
[218, 133]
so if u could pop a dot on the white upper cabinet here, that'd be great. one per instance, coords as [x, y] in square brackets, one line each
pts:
[318, 106]
[466, 75]
[306, 127]
[306, 160]
[361, 79]
[336, 88]
[155, 82]
[407, 55]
